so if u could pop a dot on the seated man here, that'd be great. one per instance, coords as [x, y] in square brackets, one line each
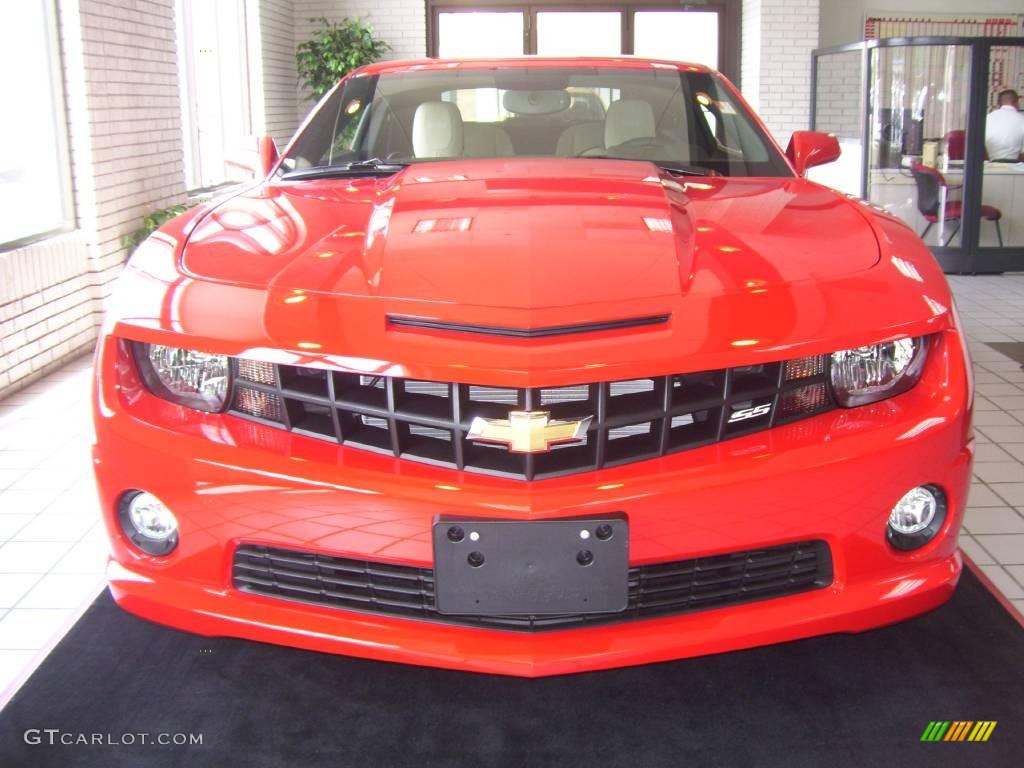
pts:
[1004, 129]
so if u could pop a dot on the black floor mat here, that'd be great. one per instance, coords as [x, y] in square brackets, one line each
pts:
[1012, 349]
[843, 700]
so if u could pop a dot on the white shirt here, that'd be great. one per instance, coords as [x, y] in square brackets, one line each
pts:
[1004, 133]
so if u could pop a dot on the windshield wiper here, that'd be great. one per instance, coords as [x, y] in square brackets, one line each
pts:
[681, 169]
[372, 167]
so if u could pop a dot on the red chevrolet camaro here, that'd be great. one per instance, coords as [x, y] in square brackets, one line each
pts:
[533, 366]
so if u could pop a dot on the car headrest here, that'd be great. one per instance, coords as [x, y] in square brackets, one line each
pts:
[628, 119]
[437, 130]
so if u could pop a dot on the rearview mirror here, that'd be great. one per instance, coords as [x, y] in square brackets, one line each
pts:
[256, 155]
[810, 148]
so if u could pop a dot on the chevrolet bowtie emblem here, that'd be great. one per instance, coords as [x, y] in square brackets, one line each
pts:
[528, 431]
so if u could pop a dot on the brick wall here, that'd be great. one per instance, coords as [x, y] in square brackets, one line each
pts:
[778, 37]
[750, 53]
[46, 307]
[402, 23]
[126, 143]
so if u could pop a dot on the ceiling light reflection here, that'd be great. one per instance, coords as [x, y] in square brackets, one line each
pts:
[460, 224]
[657, 224]
[906, 269]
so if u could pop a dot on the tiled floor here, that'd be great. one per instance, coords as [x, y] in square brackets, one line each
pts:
[52, 545]
[992, 309]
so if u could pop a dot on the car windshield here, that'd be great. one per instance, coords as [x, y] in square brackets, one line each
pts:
[684, 121]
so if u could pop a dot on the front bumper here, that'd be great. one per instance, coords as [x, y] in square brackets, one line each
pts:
[832, 477]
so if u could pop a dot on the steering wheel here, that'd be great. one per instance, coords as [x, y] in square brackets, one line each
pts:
[641, 143]
[638, 148]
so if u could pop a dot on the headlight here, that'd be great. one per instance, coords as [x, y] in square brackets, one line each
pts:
[195, 379]
[868, 374]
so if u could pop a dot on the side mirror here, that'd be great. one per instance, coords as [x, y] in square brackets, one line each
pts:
[810, 148]
[256, 155]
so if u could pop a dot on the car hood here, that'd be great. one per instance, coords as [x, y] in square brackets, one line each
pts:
[737, 270]
[523, 239]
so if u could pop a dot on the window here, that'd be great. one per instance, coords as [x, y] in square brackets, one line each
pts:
[690, 36]
[216, 116]
[478, 34]
[658, 29]
[34, 169]
[575, 33]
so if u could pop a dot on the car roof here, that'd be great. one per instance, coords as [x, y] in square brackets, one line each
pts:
[540, 62]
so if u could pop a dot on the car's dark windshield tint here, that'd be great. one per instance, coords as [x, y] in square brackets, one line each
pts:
[683, 119]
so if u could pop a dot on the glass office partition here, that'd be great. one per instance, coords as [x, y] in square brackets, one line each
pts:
[914, 140]
[918, 132]
[1001, 214]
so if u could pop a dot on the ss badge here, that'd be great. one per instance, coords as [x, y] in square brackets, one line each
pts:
[750, 413]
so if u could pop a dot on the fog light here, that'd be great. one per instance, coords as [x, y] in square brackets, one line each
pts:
[917, 517]
[148, 523]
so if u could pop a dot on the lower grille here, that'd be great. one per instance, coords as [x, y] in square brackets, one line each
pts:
[660, 589]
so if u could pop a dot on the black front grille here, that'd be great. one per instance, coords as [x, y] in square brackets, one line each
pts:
[661, 589]
[429, 421]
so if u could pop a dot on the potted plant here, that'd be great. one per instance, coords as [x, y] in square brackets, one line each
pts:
[335, 49]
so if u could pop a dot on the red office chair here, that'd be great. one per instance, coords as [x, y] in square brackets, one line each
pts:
[930, 184]
[955, 145]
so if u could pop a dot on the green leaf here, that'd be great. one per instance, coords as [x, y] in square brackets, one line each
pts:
[150, 223]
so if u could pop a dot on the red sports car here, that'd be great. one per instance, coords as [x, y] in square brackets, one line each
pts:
[533, 367]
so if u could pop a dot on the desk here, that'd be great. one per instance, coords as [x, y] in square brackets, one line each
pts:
[894, 190]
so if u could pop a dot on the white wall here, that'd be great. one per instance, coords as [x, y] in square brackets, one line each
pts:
[842, 21]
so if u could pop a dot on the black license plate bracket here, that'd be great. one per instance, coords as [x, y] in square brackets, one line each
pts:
[531, 567]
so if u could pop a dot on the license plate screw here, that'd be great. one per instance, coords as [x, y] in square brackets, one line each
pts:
[604, 532]
[584, 557]
[456, 534]
[475, 559]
